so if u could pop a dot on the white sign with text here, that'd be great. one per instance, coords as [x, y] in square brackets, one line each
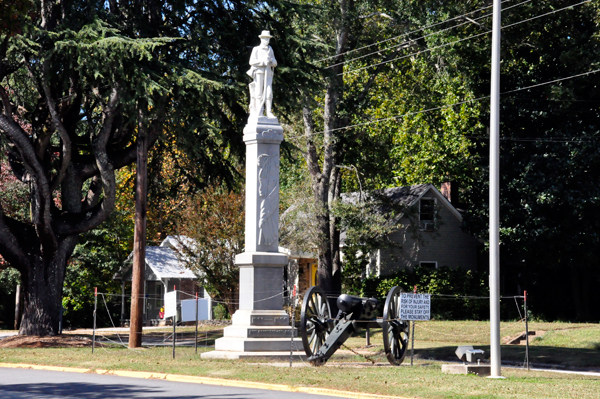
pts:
[415, 306]
[171, 304]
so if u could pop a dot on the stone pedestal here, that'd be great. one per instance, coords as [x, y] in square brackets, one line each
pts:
[478, 369]
[260, 328]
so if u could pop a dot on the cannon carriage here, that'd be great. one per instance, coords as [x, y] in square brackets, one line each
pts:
[322, 335]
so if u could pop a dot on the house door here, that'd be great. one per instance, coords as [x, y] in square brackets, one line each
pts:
[313, 268]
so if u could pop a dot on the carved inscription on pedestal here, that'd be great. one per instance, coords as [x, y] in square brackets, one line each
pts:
[259, 333]
[269, 321]
[268, 191]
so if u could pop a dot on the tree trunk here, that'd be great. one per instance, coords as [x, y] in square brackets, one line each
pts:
[43, 288]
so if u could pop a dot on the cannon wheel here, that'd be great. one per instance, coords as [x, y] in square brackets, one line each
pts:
[315, 320]
[395, 331]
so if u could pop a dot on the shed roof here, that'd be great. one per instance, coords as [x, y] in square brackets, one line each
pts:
[165, 264]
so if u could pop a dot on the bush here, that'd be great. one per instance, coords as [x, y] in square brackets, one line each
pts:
[220, 312]
[452, 285]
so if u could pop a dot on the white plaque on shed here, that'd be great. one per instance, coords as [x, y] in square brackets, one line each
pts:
[171, 304]
[415, 306]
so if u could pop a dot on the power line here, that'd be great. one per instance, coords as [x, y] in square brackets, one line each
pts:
[409, 33]
[454, 104]
[460, 40]
[425, 36]
[412, 54]
[546, 14]
[586, 139]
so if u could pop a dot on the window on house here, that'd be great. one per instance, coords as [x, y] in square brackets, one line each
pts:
[428, 264]
[427, 214]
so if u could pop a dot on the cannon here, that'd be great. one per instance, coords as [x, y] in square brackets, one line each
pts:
[322, 335]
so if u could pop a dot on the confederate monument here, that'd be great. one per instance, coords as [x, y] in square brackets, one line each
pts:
[260, 327]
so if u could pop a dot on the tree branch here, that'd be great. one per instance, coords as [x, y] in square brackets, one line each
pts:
[9, 245]
[42, 200]
[60, 128]
[312, 160]
[6, 105]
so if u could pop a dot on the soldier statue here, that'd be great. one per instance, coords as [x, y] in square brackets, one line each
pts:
[262, 62]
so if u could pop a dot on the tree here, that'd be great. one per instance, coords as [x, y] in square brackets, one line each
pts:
[78, 82]
[374, 73]
[549, 161]
[212, 228]
[346, 29]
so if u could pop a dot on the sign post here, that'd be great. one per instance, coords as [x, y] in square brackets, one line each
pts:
[414, 307]
[95, 309]
[171, 311]
[196, 335]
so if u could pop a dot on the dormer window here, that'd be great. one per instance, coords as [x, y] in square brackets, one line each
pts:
[427, 214]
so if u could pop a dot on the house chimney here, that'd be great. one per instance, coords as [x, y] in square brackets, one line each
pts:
[450, 191]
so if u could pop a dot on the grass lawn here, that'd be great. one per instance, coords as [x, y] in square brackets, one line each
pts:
[350, 372]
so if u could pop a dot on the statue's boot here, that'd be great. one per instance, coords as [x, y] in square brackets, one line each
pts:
[269, 102]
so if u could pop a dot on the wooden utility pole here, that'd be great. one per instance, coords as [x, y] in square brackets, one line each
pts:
[139, 238]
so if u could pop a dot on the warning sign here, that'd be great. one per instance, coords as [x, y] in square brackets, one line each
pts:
[171, 304]
[415, 306]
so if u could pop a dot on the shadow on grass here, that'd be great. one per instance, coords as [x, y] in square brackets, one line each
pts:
[565, 357]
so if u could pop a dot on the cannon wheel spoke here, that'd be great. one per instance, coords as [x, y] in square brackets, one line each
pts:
[314, 320]
[395, 331]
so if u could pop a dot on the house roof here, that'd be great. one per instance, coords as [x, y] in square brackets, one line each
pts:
[162, 262]
[407, 196]
[165, 264]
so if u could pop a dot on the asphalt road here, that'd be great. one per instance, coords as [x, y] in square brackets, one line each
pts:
[42, 384]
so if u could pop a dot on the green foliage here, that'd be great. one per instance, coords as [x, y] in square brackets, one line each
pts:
[213, 227]
[220, 312]
[453, 284]
[366, 220]
[13, 14]
[98, 256]
[9, 279]
[549, 160]
[14, 194]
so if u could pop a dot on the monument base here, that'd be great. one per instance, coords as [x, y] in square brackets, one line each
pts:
[478, 369]
[257, 333]
[227, 355]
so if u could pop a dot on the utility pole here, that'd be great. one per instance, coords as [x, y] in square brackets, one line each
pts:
[495, 194]
[139, 238]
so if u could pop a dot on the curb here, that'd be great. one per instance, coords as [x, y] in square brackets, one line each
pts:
[204, 380]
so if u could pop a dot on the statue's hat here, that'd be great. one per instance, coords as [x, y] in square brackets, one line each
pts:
[265, 33]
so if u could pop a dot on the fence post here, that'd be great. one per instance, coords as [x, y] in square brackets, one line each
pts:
[526, 330]
[196, 335]
[412, 336]
[174, 318]
[293, 304]
[95, 308]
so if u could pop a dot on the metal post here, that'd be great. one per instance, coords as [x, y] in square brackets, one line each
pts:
[60, 320]
[495, 195]
[196, 334]
[95, 308]
[412, 336]
[526, 330]
[122, 301]
[368, 337]
[174, 318]
[18, 307]
[293, 323]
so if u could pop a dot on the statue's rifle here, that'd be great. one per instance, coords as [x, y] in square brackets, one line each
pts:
[264, 96]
